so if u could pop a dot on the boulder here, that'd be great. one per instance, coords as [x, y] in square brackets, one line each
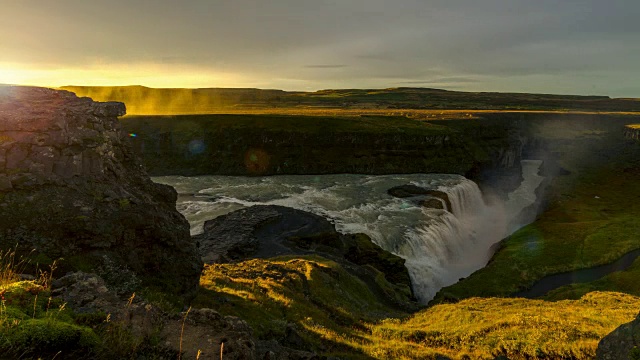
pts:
[71, 188]
[256, 231]
[621, 344]
[432, 203]
[426, 197]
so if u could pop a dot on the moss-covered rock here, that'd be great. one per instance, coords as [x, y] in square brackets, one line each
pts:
[46, 337]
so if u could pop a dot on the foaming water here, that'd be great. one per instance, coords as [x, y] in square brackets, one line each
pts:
[439, 246]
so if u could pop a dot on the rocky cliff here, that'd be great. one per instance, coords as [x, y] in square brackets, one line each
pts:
[71, 187]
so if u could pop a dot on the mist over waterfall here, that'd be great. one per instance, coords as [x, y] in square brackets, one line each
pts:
[439, 246]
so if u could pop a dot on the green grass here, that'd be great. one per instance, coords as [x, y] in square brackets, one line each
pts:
[593, 219]
[578, 231]
[624, 281]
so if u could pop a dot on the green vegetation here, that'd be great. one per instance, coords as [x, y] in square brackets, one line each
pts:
[624, 281]
[33, 324]
[593, 219]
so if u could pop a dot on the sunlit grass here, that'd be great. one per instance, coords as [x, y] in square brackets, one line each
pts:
[483, 328]
[335, 312]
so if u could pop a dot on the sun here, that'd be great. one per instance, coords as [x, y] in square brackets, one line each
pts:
[12, 76]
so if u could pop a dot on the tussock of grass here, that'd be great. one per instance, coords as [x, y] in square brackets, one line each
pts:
[10, 267]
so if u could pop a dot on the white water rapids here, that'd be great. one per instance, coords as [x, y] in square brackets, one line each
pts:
[439, 246]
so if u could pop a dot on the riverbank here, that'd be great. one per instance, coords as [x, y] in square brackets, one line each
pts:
[592, 220]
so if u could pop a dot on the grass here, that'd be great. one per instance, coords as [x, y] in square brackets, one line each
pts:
[322, 300]
[9, 268]
[337, 316]
[483, 328]
[334, 313]
[33, 324]
[624, 281]
[593, 219]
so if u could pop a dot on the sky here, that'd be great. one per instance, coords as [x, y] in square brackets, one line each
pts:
[589, 47]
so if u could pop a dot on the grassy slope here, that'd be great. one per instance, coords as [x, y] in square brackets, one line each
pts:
[337, 315]
[334, 313]
[594, 219]
[482, 328]
[329, 307]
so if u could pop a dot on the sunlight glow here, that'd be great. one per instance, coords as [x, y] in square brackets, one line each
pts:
[152, 75]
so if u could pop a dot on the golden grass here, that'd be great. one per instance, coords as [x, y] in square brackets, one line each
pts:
[336, 313]
[482, 328]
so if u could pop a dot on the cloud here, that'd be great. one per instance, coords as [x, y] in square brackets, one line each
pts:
[444, 80]
[327, 66]
[517, 45]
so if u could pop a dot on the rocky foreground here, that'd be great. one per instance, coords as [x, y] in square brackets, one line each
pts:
[71, 188]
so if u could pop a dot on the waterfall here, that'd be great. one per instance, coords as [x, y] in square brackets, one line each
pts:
[439, 246]
[466, 198]
[452, 245]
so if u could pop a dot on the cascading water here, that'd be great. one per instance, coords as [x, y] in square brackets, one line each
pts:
[453, 245]
[439, 246]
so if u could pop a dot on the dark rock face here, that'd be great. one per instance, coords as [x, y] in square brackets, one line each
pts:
[71, 187]
[622, 344]
[425, 197]
[256, 231]
[265, 231]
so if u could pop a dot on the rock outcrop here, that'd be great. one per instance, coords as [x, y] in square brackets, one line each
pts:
[260, 231]
[70, 187]
[425, 197]
[197, 330]
[622, 344]
[265, 231]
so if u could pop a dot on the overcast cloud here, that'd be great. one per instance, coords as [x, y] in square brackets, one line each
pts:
[560, 46]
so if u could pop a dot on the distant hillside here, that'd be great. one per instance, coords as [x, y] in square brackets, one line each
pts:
[143, 100]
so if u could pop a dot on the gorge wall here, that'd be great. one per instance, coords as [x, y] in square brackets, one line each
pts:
[71, 187]
[487, 150]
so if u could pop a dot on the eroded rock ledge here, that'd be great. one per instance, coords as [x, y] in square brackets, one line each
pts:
[71, 187]
[266, 231]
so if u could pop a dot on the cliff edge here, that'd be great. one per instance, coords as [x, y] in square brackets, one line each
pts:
[71, 187]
